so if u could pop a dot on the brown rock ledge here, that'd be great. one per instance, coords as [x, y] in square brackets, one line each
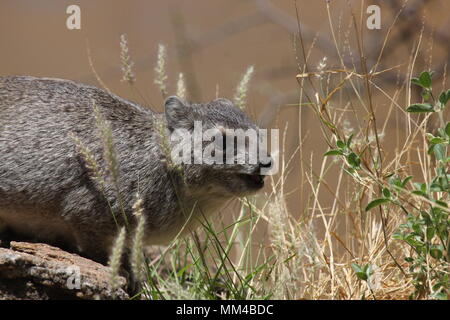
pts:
[40, 271]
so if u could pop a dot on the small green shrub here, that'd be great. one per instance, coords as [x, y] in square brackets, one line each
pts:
[427, 225]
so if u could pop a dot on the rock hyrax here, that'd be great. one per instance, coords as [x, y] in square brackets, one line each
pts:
[46, 188]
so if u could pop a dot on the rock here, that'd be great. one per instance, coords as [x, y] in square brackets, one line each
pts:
[40, 271]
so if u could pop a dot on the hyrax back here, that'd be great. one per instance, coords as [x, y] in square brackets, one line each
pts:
[47, 191]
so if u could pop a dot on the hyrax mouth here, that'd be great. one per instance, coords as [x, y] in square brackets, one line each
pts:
[254, 180]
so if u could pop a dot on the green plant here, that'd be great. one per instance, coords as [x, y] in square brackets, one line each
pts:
[364, 273]
[427, 225]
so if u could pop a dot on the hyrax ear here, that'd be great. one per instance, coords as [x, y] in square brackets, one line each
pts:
[178, 113]
[224, 101]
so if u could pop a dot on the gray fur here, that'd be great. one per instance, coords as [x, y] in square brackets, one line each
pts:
[46, 191]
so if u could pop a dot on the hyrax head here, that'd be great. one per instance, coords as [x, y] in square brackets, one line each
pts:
[218, 146]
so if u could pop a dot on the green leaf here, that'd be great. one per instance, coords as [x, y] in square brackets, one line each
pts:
[333, 153]
[425, 79]
[395, 180]
[413, 242]
[340, 144]
[386, 193]
[360, 272]
[447, 129]
[430, 233]
[349, 140]
[437, 286]
[429, 136]
[441, 203]
[376, 203]
[353, 160]
[362, 275]
[431, 149]
[436, 253]
[420, 108]
[406, 181]
[398, 236]
[437, 140]
[420, 186]
[420, 193]
[426, 217]
[444, 97]
[439, 151]
[356, 268]
[367, 269]
[441, 296]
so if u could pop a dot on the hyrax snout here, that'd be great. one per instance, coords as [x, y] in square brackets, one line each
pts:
[47, 188]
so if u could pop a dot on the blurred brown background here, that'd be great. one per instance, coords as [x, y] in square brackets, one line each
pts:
[214, 41]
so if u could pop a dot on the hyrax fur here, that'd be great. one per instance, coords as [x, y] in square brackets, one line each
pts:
[46, 187]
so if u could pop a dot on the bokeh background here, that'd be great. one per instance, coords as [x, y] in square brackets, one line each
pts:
[213, 42]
